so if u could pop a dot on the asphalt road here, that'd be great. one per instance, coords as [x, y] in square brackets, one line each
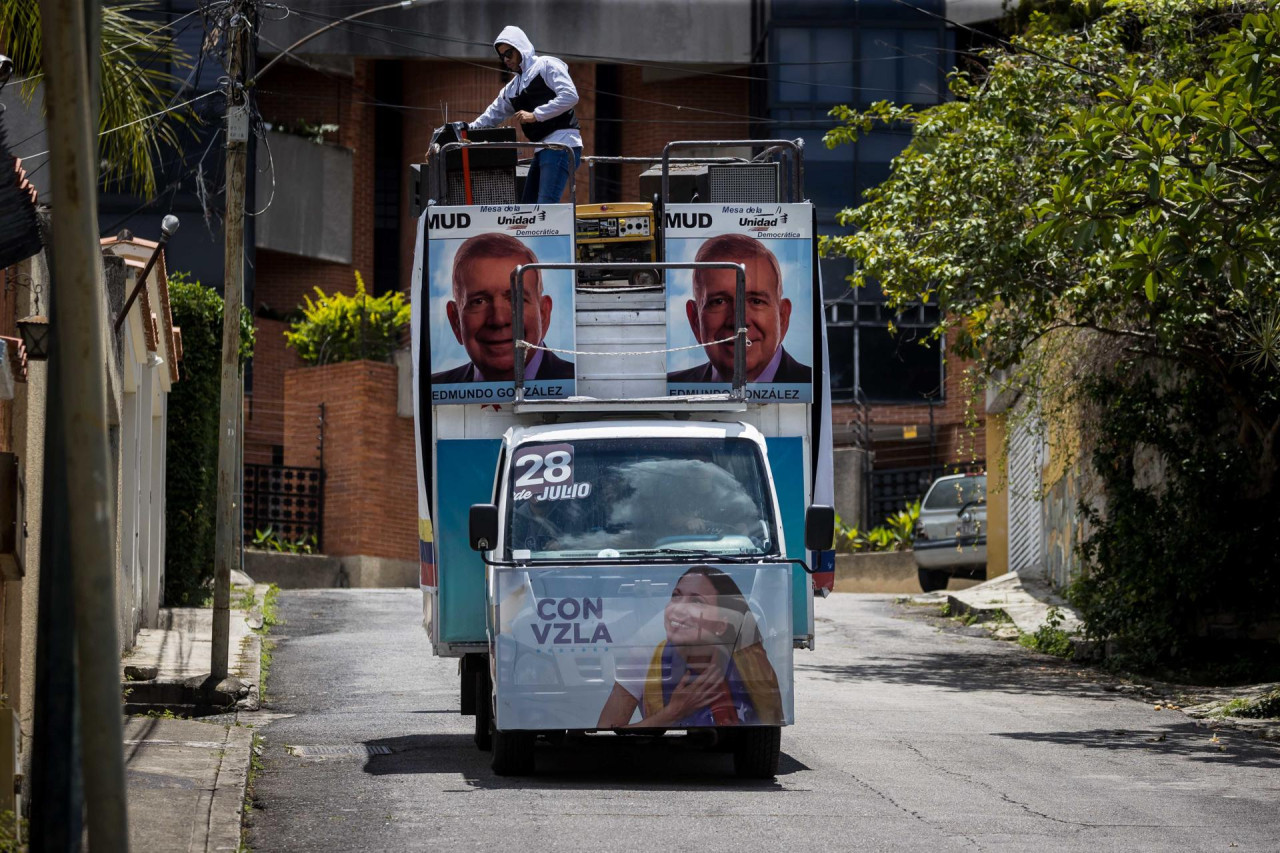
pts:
[911, 734]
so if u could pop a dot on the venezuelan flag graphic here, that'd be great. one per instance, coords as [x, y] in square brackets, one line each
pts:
[426, 553]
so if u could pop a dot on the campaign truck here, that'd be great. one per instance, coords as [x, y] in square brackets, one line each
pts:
[624, 480]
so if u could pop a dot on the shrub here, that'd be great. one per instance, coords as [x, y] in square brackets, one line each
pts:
[337, 328]
[191, 486]
[1168, 556]
[896, 534]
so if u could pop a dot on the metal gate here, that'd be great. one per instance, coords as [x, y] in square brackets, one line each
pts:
[1026, 460]
[289, 500]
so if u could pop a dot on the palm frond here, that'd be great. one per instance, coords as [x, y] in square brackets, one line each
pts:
[137, 57]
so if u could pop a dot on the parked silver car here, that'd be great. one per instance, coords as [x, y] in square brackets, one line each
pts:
[951, 534]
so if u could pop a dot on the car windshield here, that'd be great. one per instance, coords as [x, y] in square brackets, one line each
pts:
[955, 493]
[609, 498]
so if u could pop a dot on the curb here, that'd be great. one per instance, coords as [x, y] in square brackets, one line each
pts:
[227, 808]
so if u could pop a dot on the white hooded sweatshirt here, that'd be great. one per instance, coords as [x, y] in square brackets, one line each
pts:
[553, 72]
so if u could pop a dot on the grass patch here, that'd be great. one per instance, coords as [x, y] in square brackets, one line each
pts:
[255, 770]
[1262, 707]
[1049, 638]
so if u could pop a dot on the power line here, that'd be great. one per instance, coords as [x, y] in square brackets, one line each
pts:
[141, 120]
[684, 69]
[583, 119]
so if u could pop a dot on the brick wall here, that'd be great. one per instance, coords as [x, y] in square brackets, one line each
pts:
[651, 119]
[281, 281]
[370, 492]
[955, 441]
[264, 408]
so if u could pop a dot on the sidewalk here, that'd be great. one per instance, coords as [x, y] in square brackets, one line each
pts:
[186, 783]
[186, 778]
[1028, 603]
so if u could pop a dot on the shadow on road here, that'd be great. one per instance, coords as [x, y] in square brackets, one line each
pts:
[594, 762]
[988, 667]
[1184, 740]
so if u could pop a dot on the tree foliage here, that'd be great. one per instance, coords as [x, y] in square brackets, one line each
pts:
[191, 487]
[136, 57]
[1122, 177]
[336, 327]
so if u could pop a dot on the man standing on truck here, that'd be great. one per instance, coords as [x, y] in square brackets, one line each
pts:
[541, 98]
[768, 315]
[480, 313]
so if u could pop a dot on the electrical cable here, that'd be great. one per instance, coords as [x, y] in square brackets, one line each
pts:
[486, 67]
[140, 120]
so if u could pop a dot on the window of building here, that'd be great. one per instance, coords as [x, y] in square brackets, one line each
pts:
[829, 52]
[902, 365]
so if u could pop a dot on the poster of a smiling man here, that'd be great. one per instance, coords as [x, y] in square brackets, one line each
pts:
[472, 252]
[774, 245]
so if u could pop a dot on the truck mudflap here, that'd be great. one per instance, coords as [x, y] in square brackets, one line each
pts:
[654, 646]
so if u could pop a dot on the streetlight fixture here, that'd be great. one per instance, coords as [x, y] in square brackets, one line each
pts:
[168, 227]
[35, 328]
[35, 336]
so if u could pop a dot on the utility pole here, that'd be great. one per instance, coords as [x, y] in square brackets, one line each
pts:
[78, 537]
[229, 537]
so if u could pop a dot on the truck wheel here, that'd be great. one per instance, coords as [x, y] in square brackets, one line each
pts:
[513, 753]
[932, 579]
[484, 710]
[756, 751]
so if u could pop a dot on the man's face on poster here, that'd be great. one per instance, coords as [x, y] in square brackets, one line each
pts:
[480, 314]
[767, 313]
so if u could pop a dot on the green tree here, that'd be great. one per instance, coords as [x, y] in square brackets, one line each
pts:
[136, 82]
[1120, 178]
[191, 487]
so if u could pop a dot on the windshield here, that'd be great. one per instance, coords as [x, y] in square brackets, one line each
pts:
[953, 494]
[605, 498]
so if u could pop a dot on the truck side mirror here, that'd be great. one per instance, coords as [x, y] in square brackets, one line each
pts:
[483, 527]
[819, 528]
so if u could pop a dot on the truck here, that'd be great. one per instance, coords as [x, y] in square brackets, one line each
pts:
[624, 466]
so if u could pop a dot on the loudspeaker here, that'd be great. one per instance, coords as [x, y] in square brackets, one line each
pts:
[708, 183]
[490, 172]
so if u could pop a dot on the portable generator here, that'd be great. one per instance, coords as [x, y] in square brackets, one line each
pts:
[623, 232]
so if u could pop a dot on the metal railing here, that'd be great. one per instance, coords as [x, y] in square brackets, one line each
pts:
[437, 164]
[739, 389]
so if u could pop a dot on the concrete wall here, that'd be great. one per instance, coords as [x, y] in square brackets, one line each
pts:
[708, 31]
[884, 572]
[318, 571]
[306, 209]
[850, 465]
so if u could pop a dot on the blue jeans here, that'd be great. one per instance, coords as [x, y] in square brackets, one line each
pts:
[548, 174]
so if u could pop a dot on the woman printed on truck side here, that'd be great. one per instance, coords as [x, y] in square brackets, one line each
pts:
[712, 670]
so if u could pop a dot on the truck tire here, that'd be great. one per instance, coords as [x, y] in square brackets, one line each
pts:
[513, 753]
[484, 710]
[932, 579]
[756, 751]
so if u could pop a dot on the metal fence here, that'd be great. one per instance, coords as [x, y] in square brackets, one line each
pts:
[288, 500]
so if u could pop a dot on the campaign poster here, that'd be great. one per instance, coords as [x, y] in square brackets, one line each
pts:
[470, 255]
[775, 243]
[610, 647]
